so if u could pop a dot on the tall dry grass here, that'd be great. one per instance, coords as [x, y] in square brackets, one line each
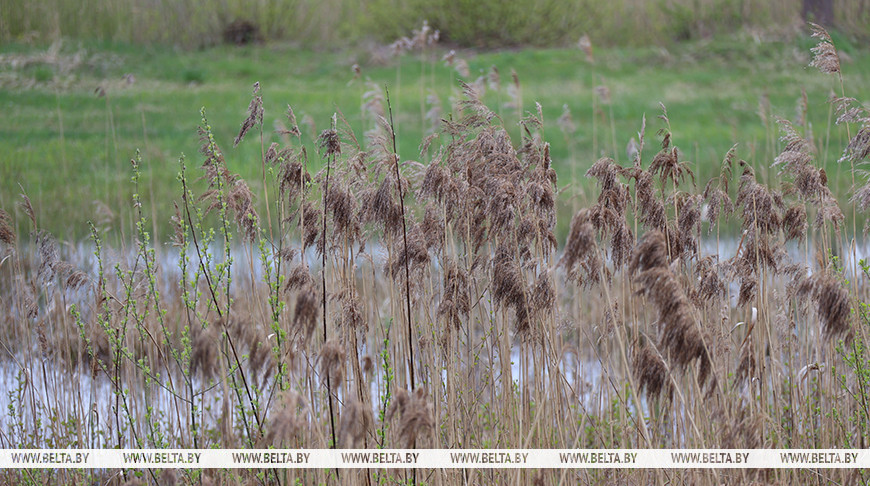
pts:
[382, 302]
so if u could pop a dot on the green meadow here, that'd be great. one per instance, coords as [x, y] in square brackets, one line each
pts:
[76, 112]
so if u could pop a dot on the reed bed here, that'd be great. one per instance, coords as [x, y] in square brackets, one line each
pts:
[382, 302]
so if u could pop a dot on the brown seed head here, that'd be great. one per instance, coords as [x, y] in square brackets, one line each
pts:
[351, 312]
[651, 252]
[649, 369]
[291, 121]
[862, 197]
[382, 208]
[455, 302]
[652, 210]
[76, 280]
[747, 364]
[748, 283]
[204, 358]
[332, 361]
[825, 55]
[668, 166]
[271, 156]
[849, 110]
[415, 255]
[343, 207]
[298, 278]
[255, 115]
[508, 285]
[49, 257]
[7, 234]
[311, 222]
[432, 228]
[368, 364]
[794, 222]
[858, 148]
[680, 337]
[710, 285]
[417, 415]
[285, 422]
[718, 204]
[688, 225]
[829, 212]
[241, 202]
[329, 141]
[542, 293]
[307, 312]
[28, 209]
[834, 308]
[581, 250]
[356, 421]
[760, 204]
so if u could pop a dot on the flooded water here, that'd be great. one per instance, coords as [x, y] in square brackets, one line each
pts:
[37, 385]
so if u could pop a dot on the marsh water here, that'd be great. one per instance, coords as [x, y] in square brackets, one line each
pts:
[37, 383]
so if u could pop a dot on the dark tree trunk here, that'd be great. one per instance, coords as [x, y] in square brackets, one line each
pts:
[819, 11]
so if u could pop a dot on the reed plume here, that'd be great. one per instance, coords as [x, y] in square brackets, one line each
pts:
[27, 207]
[679, 333]
[650, 370]
[204, 359]
[796, 160]
[356, 421]
[415, 415]
[608, 215]
[255, 115]
[581, 251]
[652, 209]
[833, 304]
[716, 197]
[761, 206]
[307, 311]
[286, 422]
[331, 361]
[508, 287]
[7, 234]
[825, 56]
[455, 302]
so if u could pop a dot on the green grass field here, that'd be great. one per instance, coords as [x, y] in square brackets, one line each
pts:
[73, 117]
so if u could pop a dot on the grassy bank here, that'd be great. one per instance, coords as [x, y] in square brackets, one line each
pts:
[76, 113]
